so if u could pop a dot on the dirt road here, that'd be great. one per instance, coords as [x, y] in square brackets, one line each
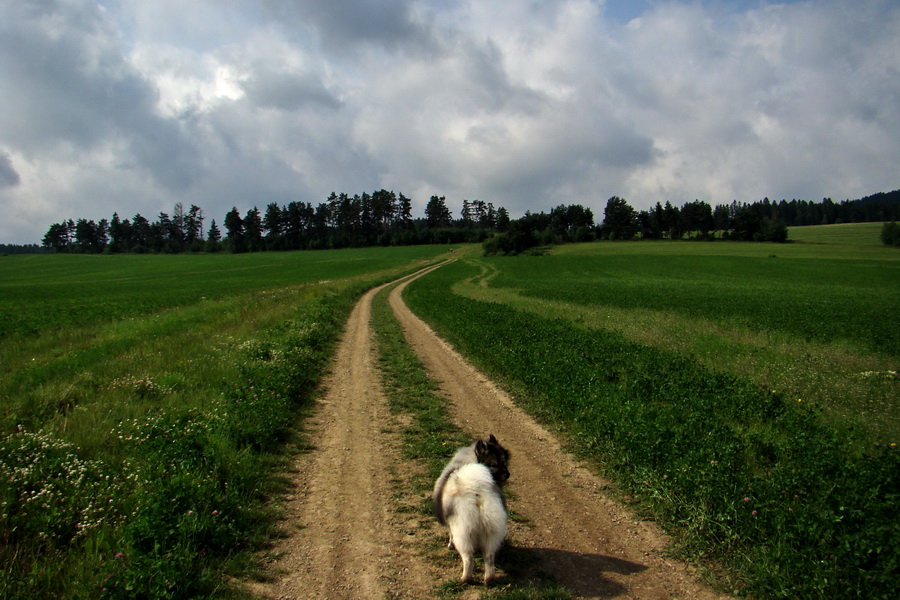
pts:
[343, 538]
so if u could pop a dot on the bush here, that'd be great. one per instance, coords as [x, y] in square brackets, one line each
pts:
[510, 243]
[773, 230]
[890, 234]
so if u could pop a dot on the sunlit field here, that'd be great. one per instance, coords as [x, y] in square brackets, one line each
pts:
[812, 319]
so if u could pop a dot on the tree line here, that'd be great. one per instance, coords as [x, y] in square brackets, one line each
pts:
[384, 218]
[6, 249]
[760, 221]
[381, 218]
[763, 221]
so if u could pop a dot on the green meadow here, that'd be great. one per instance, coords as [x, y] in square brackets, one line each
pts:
[145, 404]
[812, 320]
[850, 234]
[745, 395]
[45, 292]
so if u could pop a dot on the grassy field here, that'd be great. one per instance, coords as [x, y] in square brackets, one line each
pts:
[44, 292]
[745, 394]
[814, 320]
[851, 234]
[144, 416]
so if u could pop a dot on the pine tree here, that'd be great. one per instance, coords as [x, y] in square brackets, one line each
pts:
[437, 214]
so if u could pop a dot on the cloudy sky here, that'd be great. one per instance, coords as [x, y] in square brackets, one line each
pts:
[133, 105]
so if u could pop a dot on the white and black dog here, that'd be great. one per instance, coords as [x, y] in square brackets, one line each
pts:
[467, 499]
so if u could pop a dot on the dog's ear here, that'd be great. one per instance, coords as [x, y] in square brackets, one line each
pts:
[480, 449]
[493, 440]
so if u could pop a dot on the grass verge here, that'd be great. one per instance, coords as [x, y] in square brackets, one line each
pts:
[168, 496]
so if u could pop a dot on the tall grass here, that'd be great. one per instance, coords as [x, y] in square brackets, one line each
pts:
[748, 476]
[137, 453]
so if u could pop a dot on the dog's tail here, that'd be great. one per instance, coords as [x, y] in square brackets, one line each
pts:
[437, 496]
[440, 512]
[475, 503]
[463, 456]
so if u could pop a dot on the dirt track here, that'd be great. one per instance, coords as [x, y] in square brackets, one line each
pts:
[343, 538]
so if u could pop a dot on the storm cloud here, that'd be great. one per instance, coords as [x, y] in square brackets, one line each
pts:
[8, 175]
[126, 106]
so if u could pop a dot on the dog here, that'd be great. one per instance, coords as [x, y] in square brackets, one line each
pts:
[468, 499]
[487, 452]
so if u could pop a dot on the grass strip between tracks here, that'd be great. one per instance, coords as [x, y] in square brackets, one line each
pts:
[430, 438]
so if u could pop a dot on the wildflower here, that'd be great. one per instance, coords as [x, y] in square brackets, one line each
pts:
[799, 399]
[754, 513]
[746, 499]
[120, 555]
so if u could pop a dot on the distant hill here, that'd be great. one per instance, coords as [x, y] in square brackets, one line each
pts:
[851, 234]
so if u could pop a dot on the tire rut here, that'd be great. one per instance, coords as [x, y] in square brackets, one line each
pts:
[342, 538]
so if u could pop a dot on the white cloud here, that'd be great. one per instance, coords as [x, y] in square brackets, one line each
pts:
[771, 102]
[132, 106]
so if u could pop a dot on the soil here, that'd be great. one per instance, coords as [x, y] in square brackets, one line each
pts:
[343, 537]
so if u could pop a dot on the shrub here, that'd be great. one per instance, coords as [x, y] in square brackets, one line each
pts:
[510, 243]
[890, 234]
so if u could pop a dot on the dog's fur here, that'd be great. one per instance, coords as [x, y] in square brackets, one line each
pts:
[487, 452]
[467, 499]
